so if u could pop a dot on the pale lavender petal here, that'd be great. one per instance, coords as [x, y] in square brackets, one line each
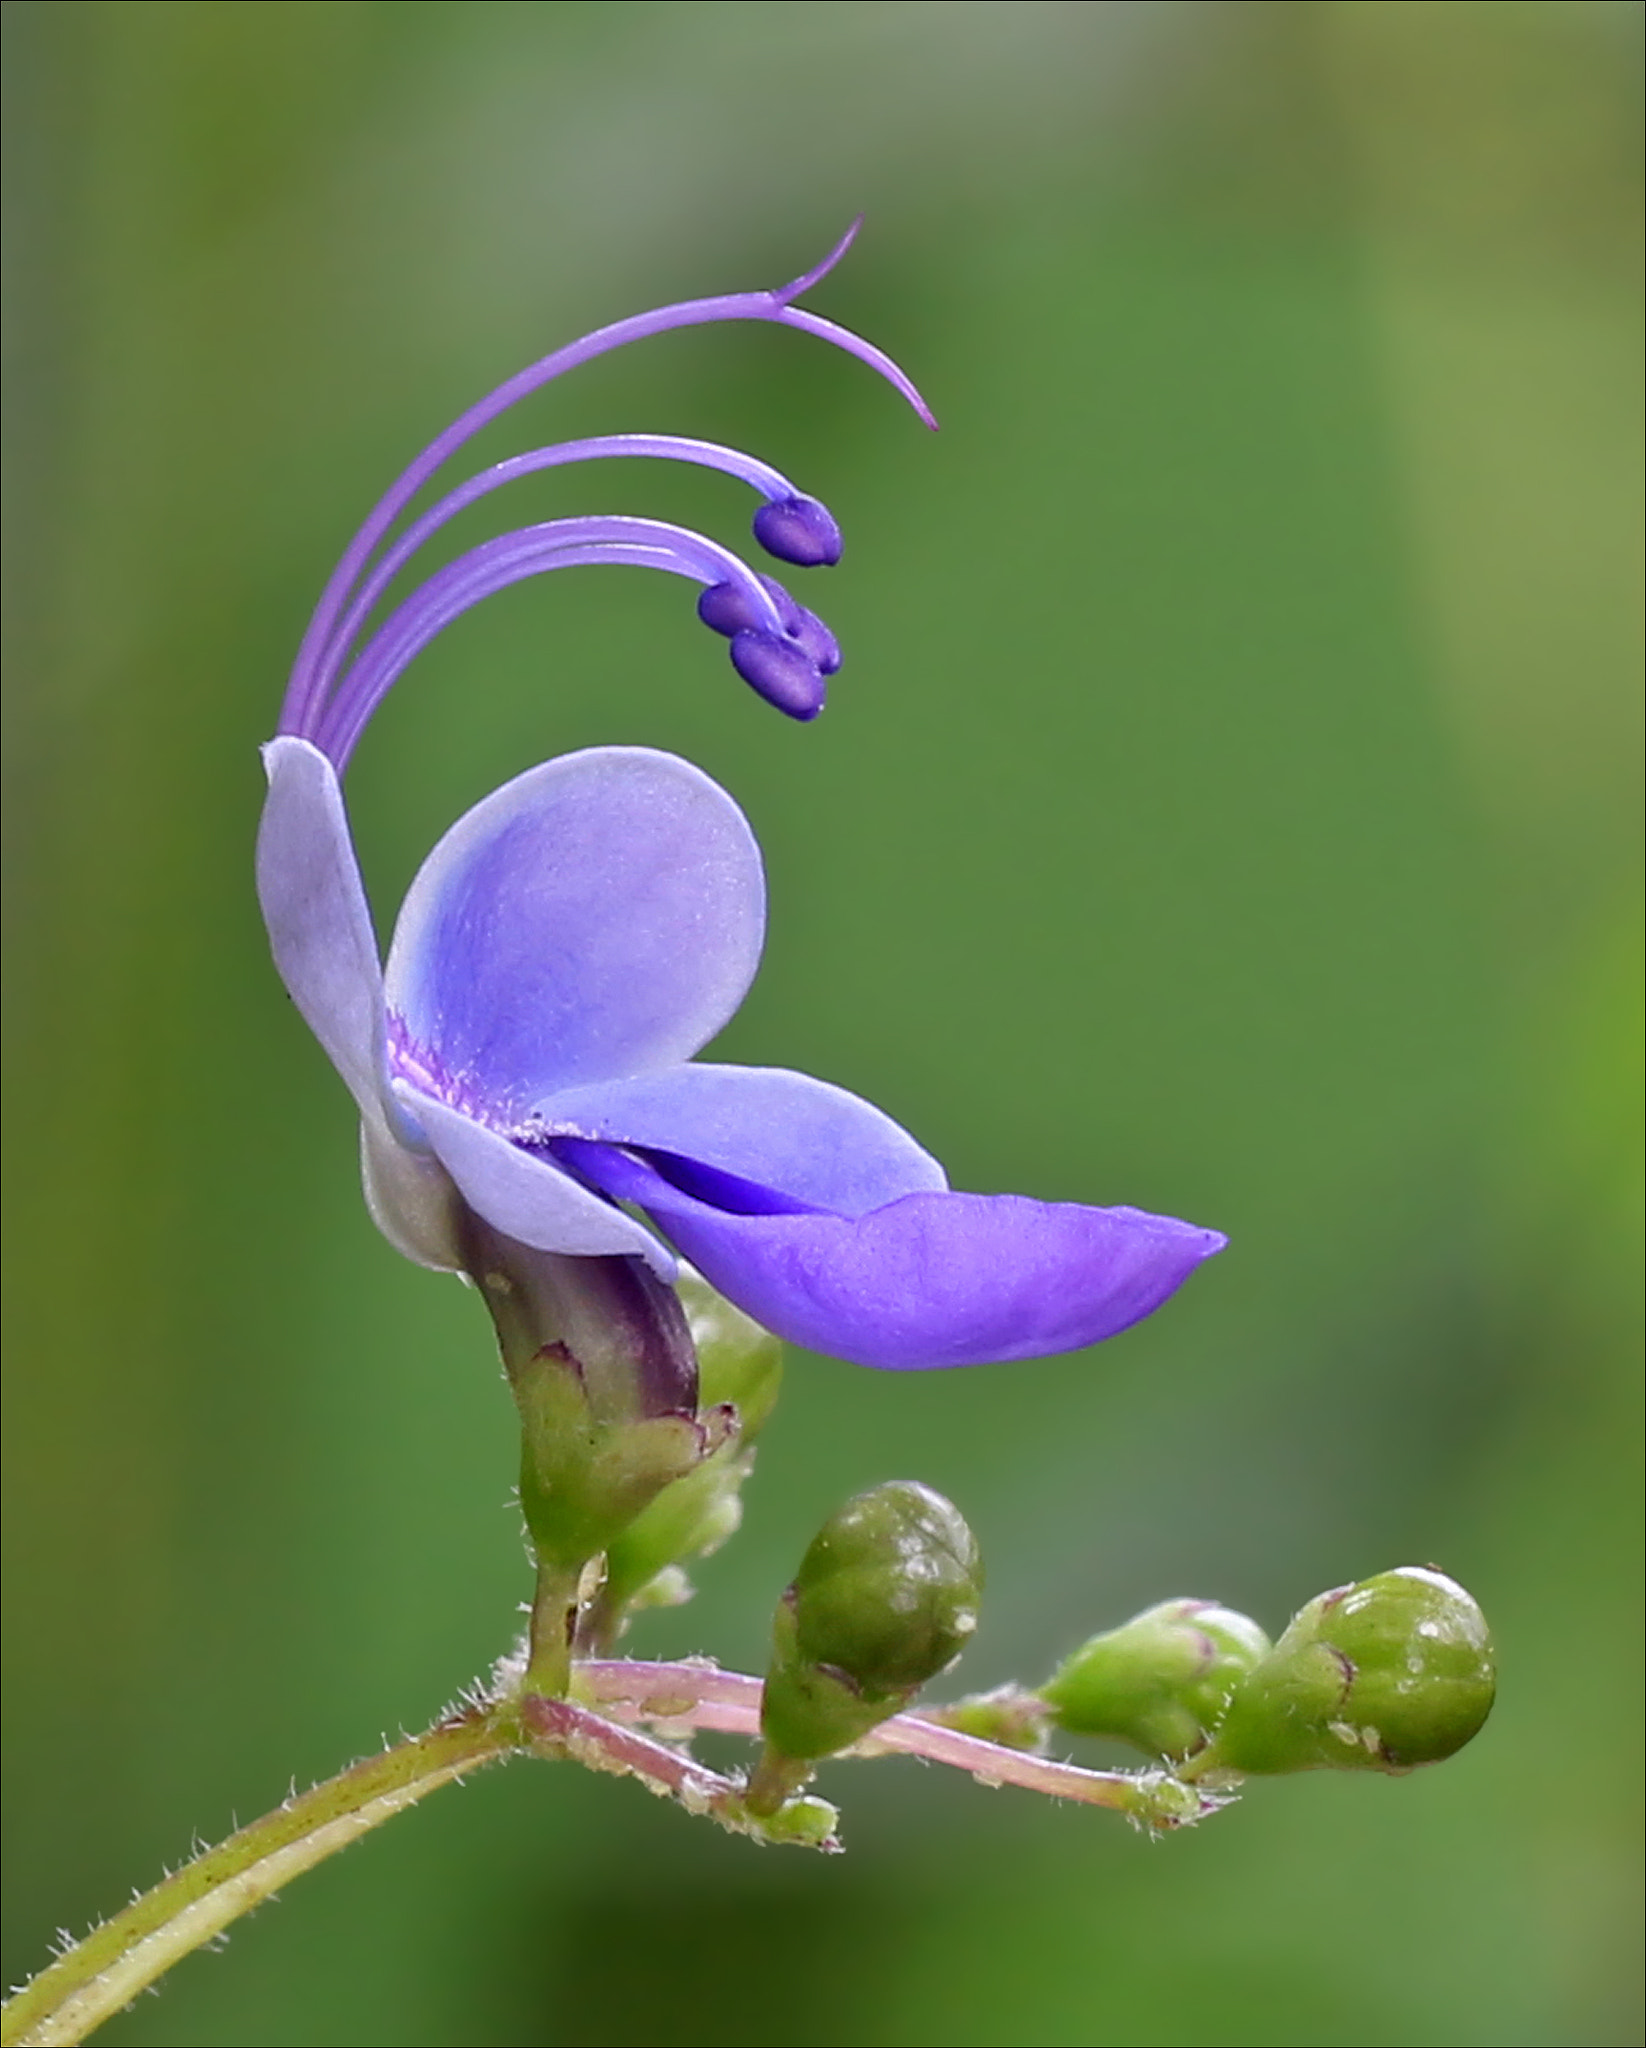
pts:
[814, 1142]
[528, 1197]
[319, 922]
[597, 917]
[411, 1198]
[929, 1280]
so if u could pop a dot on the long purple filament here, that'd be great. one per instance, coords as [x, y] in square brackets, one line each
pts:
[304, 707]
[493, 566]
[771, 483]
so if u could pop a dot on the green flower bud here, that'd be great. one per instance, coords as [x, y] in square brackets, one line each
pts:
[1381, 1676]
[885, 1599]
[1161, 1681]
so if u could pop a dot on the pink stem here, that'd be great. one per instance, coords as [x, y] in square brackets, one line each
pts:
[703, 1696]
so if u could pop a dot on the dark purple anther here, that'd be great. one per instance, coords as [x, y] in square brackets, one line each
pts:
[780, 672]
[815, 640]
[725, 608]
[798, 530]
[728, 608]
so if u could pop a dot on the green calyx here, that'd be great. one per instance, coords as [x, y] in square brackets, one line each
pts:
[886, 1597]
[1384, 1675]
[586, 1477]
[738, 1361]
[1162, 1681]
[740, 1368]
[604, 1370]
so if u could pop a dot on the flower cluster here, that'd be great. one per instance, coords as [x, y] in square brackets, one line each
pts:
[526, 1059]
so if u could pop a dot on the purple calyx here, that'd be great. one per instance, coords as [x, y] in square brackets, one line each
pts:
[337, 684]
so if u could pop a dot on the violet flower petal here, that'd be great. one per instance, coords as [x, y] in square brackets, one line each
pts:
[410, 1197]
[525, 1196]
[321, 931]
[815, 1142]
[320, 927]
[598, 916]
[928, 1280]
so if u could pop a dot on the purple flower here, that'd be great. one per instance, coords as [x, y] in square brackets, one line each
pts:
[579, 935]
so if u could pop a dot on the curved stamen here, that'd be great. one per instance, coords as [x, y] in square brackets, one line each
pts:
[306, 689]
[771, 483]
[493, 566]
[818, 271]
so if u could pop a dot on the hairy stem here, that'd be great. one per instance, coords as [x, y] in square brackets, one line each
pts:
[98, 1976]
[689, 1696]
[107, 1970]
[553, 1627]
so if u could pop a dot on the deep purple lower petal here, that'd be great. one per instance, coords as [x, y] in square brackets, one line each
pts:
[929, 1279]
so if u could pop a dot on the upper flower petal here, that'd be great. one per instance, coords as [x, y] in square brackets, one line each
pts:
[814, 1142]
[314, 905]
[928, 1280]
[596, 917]
[527, 1197]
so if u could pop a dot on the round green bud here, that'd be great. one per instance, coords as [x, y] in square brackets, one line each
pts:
[888, 1591]
[1385, 1675]
[1162, 1681]
[886, 1598]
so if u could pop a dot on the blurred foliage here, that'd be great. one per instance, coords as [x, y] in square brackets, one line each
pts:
[1228, 806]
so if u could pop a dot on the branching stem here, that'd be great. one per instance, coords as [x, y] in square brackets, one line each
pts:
[92, 1981]
[694, 1695]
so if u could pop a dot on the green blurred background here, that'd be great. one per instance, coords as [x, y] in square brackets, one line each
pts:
[1228, 806]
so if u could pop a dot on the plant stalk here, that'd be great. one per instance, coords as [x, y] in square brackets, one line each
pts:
[106, 1971]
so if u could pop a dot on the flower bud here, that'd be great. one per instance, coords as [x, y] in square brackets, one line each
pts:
[798, 530]
[1161, 1681]
[885, 1599]
[1381, 1676]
